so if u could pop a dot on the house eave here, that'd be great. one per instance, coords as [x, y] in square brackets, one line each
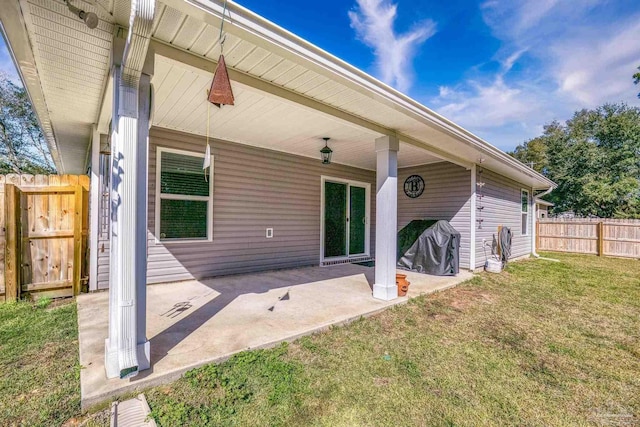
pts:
[14, 32]
[543, 202]
[268, 34]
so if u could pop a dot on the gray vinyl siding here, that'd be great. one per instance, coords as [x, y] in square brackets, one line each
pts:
[446, 196]
[103, 263]
[501, 207]
[254, 189]
[103, 231]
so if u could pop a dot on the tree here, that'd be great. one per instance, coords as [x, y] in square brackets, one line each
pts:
[22, 145]
[533, 153]
[595, 160]
[636, 79]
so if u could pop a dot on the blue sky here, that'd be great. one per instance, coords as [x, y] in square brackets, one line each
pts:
[501, 69]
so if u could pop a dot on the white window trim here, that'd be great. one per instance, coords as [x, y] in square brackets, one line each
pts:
[367, 235]
[159, 197]
[528, 212]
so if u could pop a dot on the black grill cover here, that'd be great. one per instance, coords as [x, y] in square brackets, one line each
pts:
[435, 251]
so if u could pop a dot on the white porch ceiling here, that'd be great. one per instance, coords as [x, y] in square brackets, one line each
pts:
[262, 120]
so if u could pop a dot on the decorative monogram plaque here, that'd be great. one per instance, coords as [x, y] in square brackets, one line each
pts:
[414, 186]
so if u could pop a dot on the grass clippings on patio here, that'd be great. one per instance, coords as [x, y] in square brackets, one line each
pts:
[543, 343]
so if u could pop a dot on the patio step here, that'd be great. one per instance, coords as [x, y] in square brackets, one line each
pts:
[131, 413]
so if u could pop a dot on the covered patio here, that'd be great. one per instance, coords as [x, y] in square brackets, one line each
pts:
[192, 323]
[127, 103]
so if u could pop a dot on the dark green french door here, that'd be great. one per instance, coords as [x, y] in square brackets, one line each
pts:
[345, 219]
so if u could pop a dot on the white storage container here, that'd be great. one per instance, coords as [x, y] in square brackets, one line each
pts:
[493, 266]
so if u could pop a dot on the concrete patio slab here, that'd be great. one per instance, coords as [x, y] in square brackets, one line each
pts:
[197, 322]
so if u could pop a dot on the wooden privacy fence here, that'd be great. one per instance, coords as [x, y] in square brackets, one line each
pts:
[43, 235]
[604, 237]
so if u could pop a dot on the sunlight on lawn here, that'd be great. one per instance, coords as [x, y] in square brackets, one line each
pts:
[544, 343]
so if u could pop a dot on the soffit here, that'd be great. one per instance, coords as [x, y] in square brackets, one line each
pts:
[193, 35]
[72, 64]
[263, 120]
[190, 27]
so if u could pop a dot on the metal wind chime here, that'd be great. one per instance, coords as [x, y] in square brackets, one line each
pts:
[220, 92]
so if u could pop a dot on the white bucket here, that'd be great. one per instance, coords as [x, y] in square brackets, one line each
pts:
[493, 266]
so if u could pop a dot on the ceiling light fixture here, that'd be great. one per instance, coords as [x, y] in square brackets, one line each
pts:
[326, 152]
[89, 18]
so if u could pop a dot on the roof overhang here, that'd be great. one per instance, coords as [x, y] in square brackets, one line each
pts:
[262, 33]
[15, 34]
[264, 57]
[543, 202]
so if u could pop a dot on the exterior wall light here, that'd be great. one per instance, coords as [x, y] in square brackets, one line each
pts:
[89, 18]
[326, 152]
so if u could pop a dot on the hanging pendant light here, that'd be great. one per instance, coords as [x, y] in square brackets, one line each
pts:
[326, 152]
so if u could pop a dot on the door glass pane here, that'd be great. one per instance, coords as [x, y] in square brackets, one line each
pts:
[335, 219]
[357, 226]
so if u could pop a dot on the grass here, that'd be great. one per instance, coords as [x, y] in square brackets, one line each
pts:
[544, 343]
[39, 371]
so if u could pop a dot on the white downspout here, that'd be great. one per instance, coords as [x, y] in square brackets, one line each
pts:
[535, 219]
[94, 214]
[472, 219]
[127, 349]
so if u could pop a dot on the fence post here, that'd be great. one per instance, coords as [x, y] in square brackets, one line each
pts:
[13, 249]
[77, 239]
[537, 235]
[601, 238]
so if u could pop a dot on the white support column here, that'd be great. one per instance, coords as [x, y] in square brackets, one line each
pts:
[472, 221]
[111, 364]
[142, 198]
[94, 214]
[385, 287]
[127, 349]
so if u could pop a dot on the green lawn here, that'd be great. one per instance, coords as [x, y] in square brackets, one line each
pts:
[544, 343]
[39, 371]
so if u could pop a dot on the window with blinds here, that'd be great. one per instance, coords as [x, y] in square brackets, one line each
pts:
[184, 196]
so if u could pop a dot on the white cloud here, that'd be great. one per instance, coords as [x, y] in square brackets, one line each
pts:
[373, 21]
[599, 69]
[480, 106]
[591, 60]
[581, 61]
[519, 15]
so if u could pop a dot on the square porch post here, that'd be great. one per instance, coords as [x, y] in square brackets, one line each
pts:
[127, 349]
[387, 148]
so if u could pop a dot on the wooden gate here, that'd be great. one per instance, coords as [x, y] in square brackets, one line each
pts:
[46, 222]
